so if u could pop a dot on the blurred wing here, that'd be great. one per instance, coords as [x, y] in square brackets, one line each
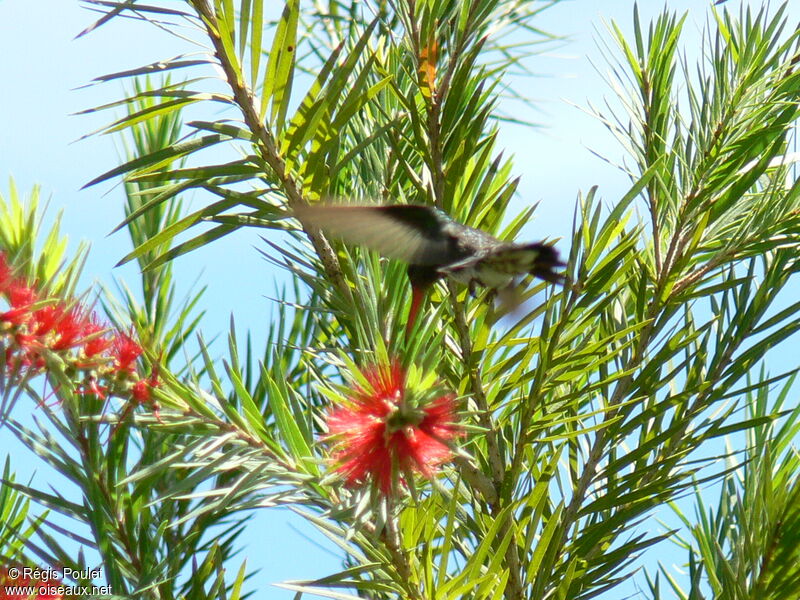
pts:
[406, 232]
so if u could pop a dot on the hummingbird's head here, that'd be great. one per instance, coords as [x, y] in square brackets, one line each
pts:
[423, 276]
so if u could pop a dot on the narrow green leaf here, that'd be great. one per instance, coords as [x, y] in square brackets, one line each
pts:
[193, 244]
[174, 229]
[158, 67]
[285, 420]
[163, 156]
[280, 66]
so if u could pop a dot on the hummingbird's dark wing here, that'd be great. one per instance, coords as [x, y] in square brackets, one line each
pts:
[411, 233]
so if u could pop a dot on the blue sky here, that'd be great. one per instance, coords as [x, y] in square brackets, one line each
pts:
[43, 67]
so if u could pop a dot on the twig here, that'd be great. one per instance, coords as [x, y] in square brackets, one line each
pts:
[244, 98]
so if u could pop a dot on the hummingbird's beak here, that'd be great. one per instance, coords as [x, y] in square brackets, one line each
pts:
[421, 278]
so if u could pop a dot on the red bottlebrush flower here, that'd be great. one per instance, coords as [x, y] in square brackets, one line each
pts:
[69, 330]
[46, 318]
[6, 276]
[27, 354]
[26, 588]
[44, 590]
[6, 582]
[125, 352]
[380, 432]
[141, 391]
[48, 591]
[98, 344]
[26, 341]
[15, 316]
[20, 297]
[20, 294]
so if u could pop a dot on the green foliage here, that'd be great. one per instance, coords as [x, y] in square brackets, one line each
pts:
[598, 402]
[746, 547]
[13, 512]
[23, 228]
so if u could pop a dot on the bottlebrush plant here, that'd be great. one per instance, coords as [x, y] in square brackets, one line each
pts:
[458, 456]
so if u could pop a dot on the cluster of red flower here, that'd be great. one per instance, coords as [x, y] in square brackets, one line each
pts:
[34, 328]
[24, 588]
[381, 433]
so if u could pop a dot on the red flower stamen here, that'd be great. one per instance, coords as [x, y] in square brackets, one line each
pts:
[21, 585]
[69, 330]
[6, 273]
[46, 318]
[98, 344]
[20, 295]
[141, 392]
[92, 387]
[125, 352]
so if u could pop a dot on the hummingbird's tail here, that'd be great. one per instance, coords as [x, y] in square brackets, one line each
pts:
[545, 262]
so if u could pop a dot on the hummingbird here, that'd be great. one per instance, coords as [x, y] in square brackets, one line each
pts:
[434, 246]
